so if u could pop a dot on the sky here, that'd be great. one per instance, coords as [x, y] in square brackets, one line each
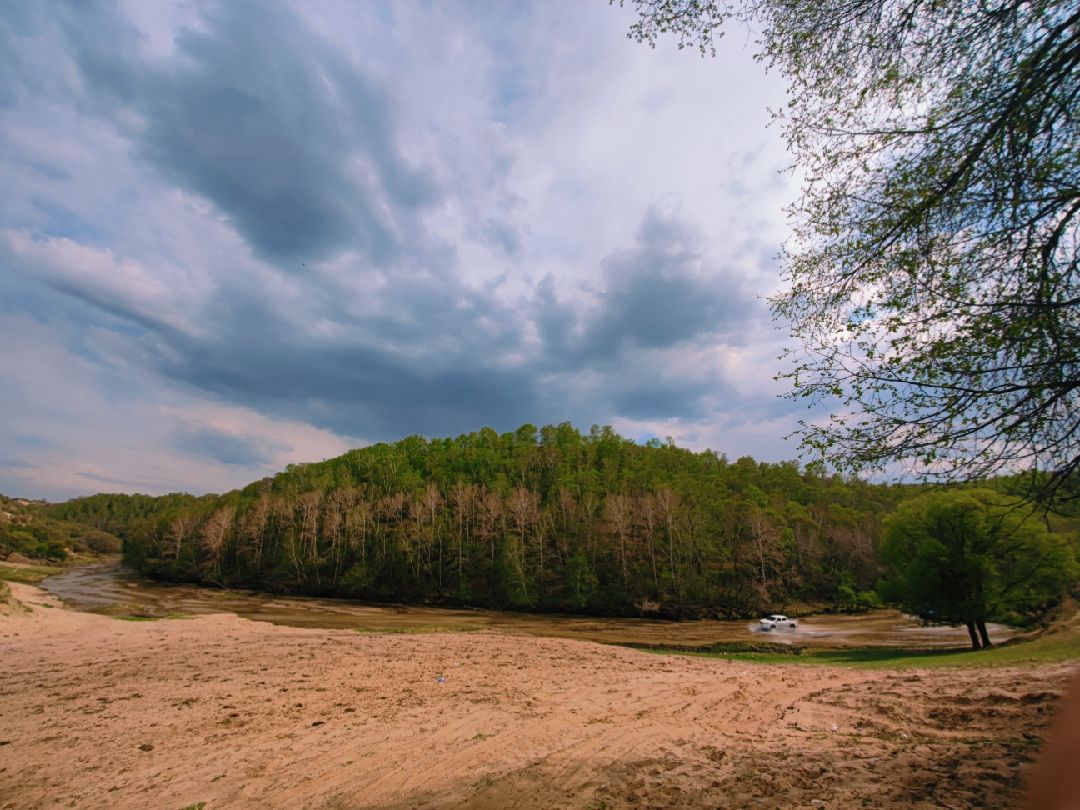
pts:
[239, 235]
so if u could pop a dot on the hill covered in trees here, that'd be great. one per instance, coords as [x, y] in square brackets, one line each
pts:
[541, 519]
[27, 529]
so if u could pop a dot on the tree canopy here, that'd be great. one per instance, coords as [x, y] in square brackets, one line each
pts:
[931, 280]
[967, 556]
[540, 518]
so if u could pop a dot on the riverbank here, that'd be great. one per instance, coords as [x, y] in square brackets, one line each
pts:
[109, 588]
[33, 572]
[101, 712]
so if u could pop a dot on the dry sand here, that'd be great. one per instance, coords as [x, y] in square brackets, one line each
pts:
[98, 712]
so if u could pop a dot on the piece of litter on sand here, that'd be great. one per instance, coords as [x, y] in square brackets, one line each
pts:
[441, 679]
[834, 727]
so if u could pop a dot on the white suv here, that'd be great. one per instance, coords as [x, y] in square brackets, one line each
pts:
[778, 621]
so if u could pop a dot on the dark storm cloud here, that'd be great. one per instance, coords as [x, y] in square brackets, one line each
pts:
[657, 298]
[653, 398]
[648, 305]
[662, 292]
[271, 124]
[385, 376]
[357, 390]
[226, 448]
[656, 295]
[433, 355]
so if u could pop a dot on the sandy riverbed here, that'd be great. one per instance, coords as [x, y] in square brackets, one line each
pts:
[97, 712]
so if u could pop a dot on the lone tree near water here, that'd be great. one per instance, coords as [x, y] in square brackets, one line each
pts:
[970, 556]
[932, 279]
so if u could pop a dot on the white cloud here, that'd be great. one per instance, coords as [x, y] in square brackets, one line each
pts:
[71, 425]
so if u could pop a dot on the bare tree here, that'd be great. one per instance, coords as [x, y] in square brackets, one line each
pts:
[524, 508]
[618, 512]
[463, 497]
[213, 533]
[253, 527]
[489, 518]
[390, 511]
[648, 512]
[668, 505]
[180, 527]
[309, 503]
[428, 506]
[358, 523]
[766, 537]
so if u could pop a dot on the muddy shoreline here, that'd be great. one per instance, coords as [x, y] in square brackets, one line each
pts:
[108, 588]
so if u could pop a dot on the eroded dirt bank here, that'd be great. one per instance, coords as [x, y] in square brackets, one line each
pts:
[97, 712]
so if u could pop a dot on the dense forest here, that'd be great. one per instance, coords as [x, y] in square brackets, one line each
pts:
[538, 519]
[543, 519]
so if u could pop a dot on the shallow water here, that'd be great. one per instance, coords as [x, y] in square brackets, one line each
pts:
[116, 590]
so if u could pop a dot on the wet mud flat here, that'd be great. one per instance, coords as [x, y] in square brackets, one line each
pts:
[112, 589]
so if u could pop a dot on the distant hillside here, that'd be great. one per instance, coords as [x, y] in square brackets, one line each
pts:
[28, 529]
[546, 518]
[540, 519]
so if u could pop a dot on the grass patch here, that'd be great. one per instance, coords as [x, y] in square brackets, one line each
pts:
[441, 628]
[30, 574]
[725, 648]
[135, 612]
[1060, 646]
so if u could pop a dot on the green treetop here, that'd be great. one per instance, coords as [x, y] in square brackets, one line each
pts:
[970, 556]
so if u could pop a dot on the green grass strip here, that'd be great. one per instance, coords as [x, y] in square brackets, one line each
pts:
[31, 574]
[1061, 646]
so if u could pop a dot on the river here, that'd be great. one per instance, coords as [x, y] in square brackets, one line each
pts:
[111, 588]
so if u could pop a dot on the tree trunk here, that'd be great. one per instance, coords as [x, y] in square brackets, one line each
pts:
[974, 636]
[983, 634]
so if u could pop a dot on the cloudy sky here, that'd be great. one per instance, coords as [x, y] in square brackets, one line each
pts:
[238, 235]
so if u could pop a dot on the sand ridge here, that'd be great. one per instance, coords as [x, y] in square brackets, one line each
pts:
[96, 711]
